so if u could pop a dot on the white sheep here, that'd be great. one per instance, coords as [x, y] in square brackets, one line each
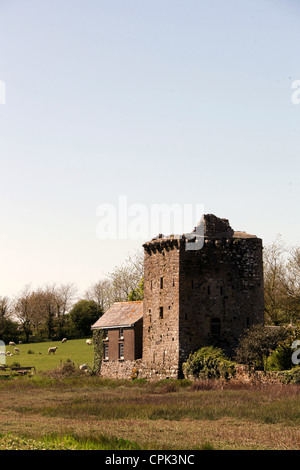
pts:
[83, 367]
[17, 350]
[64, 340]
[52, 350]
[11, 343]
[89, 341]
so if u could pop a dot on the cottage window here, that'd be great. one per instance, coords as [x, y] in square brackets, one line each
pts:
[105, 351]
[121, 351]
[121, 333]
[161, 312]
[105, 334]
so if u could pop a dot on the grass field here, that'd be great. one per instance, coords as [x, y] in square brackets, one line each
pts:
[82, 411]
[36, 354]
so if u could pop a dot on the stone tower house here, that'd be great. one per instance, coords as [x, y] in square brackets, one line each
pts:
[194, 298]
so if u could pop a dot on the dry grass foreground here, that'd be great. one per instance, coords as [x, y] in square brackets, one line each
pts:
[173, 415]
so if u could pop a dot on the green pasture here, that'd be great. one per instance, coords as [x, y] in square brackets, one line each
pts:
[36, 354]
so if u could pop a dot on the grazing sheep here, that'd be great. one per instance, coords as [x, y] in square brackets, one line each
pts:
[64, 340]
[89, 341]
[17, 350]
[11, 343]
[52, 350]
[83, 367]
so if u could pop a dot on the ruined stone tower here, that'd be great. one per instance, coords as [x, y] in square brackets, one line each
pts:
[194, 298]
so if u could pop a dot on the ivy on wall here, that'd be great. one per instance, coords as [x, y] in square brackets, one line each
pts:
[98, 336]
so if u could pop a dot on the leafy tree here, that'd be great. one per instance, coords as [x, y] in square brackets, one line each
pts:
[127, 277]
[83, 314]
[257, 344]
[281, 358]
[23, 311]
[138, 292]
[282, 282]
[102, 293]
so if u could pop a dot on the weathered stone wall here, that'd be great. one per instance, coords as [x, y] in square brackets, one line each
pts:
[187, 291]
[161, 305]
[221, 282]
[119, 369]
[129, 370]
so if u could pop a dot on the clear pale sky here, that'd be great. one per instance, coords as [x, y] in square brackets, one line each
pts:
[165, 101]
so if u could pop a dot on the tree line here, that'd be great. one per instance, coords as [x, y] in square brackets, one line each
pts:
[52, 312]
[56, 311]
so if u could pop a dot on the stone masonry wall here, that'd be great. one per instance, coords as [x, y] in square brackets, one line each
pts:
[161, 306]
[221, 282]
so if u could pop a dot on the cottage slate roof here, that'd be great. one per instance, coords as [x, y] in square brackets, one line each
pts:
[120, 314]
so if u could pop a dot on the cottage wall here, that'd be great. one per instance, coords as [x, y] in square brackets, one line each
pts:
[128, 341]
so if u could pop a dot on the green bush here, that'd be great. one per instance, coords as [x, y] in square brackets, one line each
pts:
[209, 363]
[281, 358]
[292, 376]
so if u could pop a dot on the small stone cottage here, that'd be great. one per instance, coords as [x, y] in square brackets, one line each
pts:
[122, 337]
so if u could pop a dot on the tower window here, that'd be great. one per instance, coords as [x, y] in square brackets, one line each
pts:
[215, 327]
[161, 312]
[161, 282]
[208, 290]
[221, 290]
[192, 284]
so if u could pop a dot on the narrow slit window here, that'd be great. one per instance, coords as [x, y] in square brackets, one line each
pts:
[161, 312]
[215, 327]
[161, 282]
